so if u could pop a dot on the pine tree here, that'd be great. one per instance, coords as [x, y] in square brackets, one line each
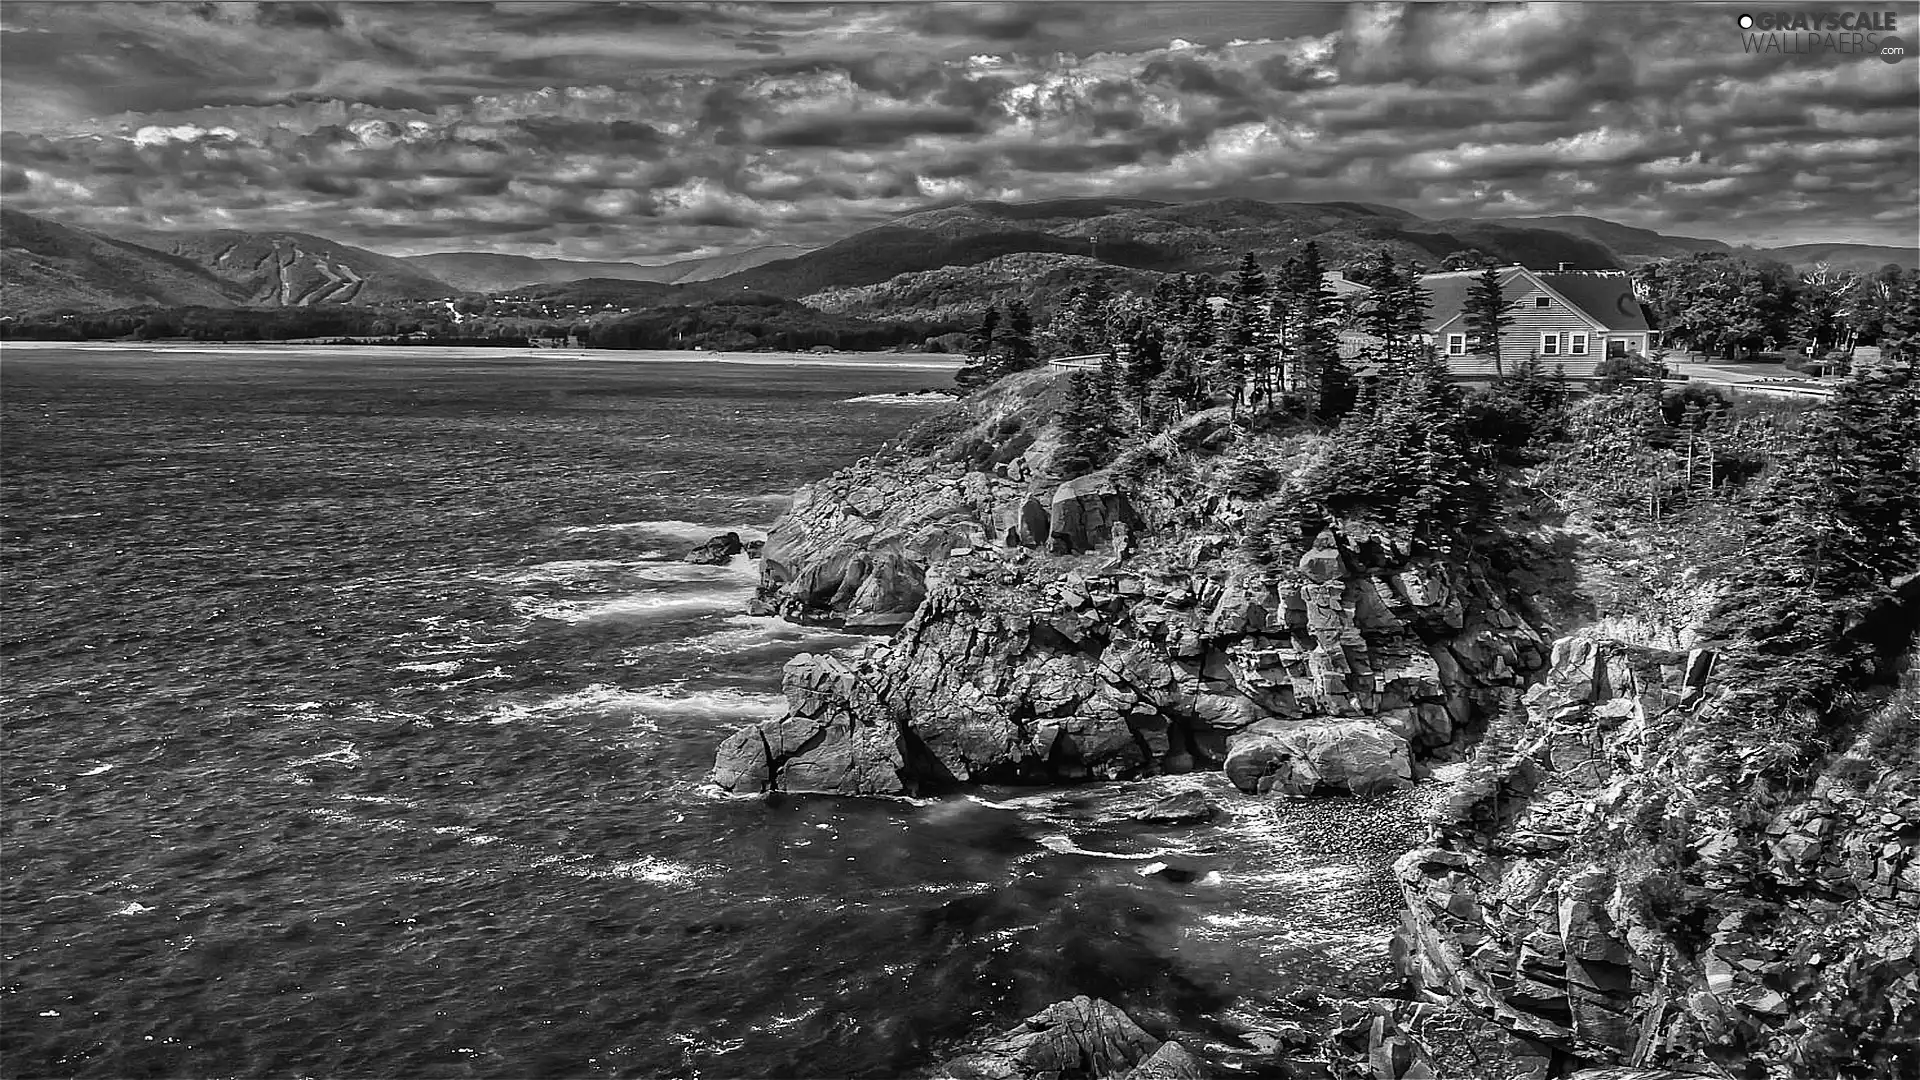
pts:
[978, 371]
[1486, 316]
[1013, 349]
[1089, 438]
[1246, 351]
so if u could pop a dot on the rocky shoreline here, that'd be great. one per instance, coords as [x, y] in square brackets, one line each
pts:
[1108, 627]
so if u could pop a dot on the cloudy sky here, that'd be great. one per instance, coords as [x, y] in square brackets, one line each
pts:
[656, 131]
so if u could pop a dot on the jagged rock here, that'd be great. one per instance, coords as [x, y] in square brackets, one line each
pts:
[1084, 511]
[1071, 1040]
[1308, 757]
[1183, 808]
[718, 551]
[1007, 673]
[1170, 1062]
[818, 746]
[1036, 523]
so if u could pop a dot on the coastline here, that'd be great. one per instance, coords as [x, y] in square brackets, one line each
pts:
[890, 361]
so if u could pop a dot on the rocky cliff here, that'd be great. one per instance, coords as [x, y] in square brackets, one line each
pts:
[1634, 875]
[1345, 674]
[1610, 888]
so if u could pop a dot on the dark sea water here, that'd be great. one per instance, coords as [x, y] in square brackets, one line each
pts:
[356, 715]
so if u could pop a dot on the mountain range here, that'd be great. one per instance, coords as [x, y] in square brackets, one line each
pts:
[478, 271]
[930, 263]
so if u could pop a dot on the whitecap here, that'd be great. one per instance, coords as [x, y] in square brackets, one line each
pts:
[931, 398]
[646, 704]
[346, 755]
[133, 908]
[691, 532]
[748, 632]
[438, 667]
[1064, 845]
[565, 570]
[97, 770]
[639, 607]
[655, 870]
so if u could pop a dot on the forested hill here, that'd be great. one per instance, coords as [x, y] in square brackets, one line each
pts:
[1201, 237]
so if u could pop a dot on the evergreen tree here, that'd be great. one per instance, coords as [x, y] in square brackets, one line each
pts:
[1013, 349]
[1249, 335]
[1309, 326]
[1089, 437]
[1486, 316]
[978, 369]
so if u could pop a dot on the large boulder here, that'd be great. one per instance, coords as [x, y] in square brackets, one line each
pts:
[717, 551]
[1082, 1039]
[1312, 757]
[819, 745]
[1084, 512]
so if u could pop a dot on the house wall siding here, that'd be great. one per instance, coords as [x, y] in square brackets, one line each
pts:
[1521, 339]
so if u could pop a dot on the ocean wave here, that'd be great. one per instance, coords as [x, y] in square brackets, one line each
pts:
[561, 571]
[748, 632]
[635, 608]
[691, 532]
[1064, 845]
[433, 667]
[346, 754]
[646, 704]
[930, 398]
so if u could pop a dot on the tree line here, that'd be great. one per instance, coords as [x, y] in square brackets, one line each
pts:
[1736, 307]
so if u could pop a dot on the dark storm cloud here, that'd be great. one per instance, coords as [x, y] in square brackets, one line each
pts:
[875, 129]
[711, 126]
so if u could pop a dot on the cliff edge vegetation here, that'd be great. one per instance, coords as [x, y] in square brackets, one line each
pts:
[1653, 643]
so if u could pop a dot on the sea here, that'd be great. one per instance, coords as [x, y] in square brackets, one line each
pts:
[357, 714]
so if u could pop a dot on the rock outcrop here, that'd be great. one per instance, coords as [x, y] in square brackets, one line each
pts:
[1600, 903]
[1081, 1039]
[718, 551]
[855, 549]
[1346, 676]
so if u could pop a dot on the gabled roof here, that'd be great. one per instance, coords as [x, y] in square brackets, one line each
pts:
[1450, 290]
[1605, 296]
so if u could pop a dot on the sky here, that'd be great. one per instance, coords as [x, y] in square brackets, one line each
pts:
[661, 131]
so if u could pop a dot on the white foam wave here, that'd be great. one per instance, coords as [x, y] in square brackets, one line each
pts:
[565, 570]
[635, 608]
[346, 754]
[438, 667]
[643, 705]
[900, 399]
[747, 632]
[691, 532]
[134, 908]
[97, 770]
[1064, 845]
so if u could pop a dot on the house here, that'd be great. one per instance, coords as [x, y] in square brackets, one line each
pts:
[1568, 318]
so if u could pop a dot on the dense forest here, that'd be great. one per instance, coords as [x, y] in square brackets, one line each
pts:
[753, 321]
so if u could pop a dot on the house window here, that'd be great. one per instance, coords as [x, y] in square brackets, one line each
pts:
[1456, 344]
[1549, 344]
[1540, 301]
[1577, 343]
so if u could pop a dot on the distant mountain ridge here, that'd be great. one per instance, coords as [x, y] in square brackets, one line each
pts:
[488, 272]
[47, 265]
[929, 262]
[1198, 237]
[289, 269]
